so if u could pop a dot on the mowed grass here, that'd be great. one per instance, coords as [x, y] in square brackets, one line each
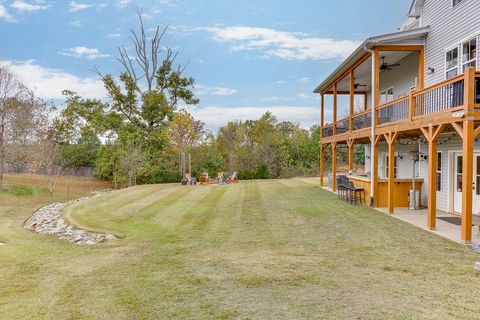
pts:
[275, 249]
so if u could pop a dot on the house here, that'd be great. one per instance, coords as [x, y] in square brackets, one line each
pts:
[414, 90]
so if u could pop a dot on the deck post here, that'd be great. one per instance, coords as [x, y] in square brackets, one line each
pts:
[467, 182]
[334, 166]
[322, 165]
[335, 109]
[391, 137]
[431, 134]
[351, 144]
[374, 175]
[322, 123]
[352, 98]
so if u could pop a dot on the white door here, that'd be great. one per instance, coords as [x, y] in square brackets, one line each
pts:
[476, 183]
[457, 193]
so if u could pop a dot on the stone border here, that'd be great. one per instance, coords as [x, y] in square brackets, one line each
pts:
[48, 220]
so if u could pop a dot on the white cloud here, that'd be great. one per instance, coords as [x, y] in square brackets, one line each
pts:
[83, 52]
[5, 15]
[25, 6]
[76, 6]
[123, 3]
[216, 117]
[49, 83]
[114, 35]
[76, 24]
[214, 91]
[280, 82]
[304, 80]
[281, 44]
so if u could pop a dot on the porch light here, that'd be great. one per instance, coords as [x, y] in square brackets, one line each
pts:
[430, 70]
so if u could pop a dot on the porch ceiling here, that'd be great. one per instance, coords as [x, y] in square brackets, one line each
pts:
[409, 37]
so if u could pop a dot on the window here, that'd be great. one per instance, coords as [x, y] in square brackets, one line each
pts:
[455, 2]
[386, 96]
[469, 54]
[439, 171]
[459, 173]
[477, 175]
[452, 63]
[395, 167]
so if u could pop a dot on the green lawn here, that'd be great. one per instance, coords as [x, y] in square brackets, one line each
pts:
[281, 249]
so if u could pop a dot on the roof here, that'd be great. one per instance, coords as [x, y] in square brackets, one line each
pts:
[400, 37]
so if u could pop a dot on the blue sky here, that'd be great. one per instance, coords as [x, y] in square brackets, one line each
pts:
[246, 56]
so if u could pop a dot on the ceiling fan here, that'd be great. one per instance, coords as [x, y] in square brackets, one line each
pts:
[358, 85]
[386, 66]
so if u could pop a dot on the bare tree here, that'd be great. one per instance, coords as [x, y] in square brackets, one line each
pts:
[46, 157]
[10, 91]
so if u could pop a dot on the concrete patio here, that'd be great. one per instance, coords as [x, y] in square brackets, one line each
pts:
[445, 229]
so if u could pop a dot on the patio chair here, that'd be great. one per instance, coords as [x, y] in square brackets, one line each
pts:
[204, 179]
[220, 177]
[233, 178]
[357, 193]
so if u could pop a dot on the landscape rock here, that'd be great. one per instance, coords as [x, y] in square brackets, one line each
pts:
[48, 220]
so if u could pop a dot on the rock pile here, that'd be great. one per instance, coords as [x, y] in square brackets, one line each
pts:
[48, 220]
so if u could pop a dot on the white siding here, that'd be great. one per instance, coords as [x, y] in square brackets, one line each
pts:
[401, 78]
[449, 26]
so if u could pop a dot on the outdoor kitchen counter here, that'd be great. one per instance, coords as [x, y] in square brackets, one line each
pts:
[402, 189]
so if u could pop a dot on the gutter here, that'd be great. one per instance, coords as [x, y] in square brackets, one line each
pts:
[372, 147]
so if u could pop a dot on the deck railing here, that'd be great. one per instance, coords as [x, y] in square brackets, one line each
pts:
[362, 120]
[393, 111]
[327, 131]
[446, 95]
[343, 126]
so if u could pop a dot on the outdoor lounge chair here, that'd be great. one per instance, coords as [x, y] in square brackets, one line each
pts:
[233, 178]
[204, 179]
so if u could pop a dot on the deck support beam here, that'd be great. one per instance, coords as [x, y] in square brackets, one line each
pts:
[334, 166]
[322, 164]
[351, 144]
[467, 182]
[322, 124]
[374, 174]
[391, 137]
[431, 133]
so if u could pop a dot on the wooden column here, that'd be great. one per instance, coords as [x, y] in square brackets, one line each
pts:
[421, 68]
[374, 177]
[431, 134]
[352, 97]
[376, 95]
[411, 106]
[334, 166]
[334, 109]
[351, 144]
[467, 182]
[322, 123]
[322, 164]
[391, 138]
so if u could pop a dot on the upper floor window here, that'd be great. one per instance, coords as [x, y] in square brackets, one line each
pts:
[455, 2]
[469, 54]
[452, 63]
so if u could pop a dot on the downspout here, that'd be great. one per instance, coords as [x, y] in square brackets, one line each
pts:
[372, 152]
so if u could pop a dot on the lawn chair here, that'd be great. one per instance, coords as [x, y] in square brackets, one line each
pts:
[204, 179]
[220, 177]
[233, 178]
